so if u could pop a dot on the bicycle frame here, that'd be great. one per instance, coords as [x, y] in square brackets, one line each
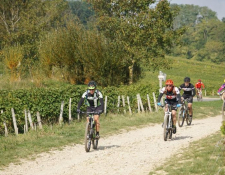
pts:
[168, 114]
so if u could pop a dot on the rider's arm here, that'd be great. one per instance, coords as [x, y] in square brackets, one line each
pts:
[203, 85]
[81, 100]
[101, 101]
[178, 95]
[80, 103]
[160, 94]
[193, 91]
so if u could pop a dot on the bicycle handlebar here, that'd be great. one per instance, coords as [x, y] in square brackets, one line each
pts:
[85, 112]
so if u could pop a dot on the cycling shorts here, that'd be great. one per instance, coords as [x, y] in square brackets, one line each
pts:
[189, 98]
[93, 109]
[173, 103]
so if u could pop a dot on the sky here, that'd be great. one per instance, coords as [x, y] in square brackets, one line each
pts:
[216, 5]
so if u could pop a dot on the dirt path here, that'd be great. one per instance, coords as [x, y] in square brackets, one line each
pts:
[134, 152]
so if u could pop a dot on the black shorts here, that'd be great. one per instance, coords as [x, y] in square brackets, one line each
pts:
[189, 98]
[93, 109]
[173, 103]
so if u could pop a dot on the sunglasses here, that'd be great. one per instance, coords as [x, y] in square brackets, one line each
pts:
[168, 85]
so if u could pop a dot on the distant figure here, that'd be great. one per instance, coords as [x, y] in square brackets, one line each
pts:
[221, 89]
[199, 86]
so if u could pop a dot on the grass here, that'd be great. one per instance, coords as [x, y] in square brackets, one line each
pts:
[13, 148]
[205, 156]
[210, 74]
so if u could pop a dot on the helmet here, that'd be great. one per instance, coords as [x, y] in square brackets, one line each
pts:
[224, 80]
[199, 80]
[187, 79]
[169, 82]
[92, 85]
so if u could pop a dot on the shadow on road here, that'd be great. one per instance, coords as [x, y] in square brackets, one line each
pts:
[182, 137]
[107, 147]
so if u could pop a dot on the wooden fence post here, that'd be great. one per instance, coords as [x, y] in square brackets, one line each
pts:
[141, 104]
[105, 106]
[123, 99]
[70, 116]
[14, 121]
[128, 103]
[6, 130]
[118, 104]
[138, 103]
[61, 113]
[156, 108]
[26, 124]
[30, 120]
[149, 104]
[39, 120]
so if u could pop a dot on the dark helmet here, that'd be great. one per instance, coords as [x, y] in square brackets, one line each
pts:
[92, 85]
[187, 79]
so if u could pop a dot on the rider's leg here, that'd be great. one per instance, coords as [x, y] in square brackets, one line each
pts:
[174, 117]
[96, 118]
[190, 109]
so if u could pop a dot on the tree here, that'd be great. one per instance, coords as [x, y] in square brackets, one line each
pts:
[147, 34]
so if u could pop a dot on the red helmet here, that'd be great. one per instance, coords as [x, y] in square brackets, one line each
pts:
[199, 80]
[169, 82]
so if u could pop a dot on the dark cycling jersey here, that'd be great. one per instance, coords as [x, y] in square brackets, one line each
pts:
[92, 100]
[188, 91]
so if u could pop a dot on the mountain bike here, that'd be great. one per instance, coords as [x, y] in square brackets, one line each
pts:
[184, 114]
[168, 123]
[90, 132]
[223, 105]
[199, 95]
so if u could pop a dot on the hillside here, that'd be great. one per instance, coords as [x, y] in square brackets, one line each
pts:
[211, 74]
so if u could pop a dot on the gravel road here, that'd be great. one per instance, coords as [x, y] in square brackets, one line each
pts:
[135, 152]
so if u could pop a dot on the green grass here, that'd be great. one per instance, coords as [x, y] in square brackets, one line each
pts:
[13, 148]
[205, 156]
[211, 74]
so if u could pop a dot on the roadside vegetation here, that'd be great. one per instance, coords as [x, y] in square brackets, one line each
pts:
[51, 137]
[205, 156]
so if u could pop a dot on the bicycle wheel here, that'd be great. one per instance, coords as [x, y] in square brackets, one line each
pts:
[87, 139]
[181, 117]
[95, 143]
[188, 119]
[223, 108]
[165, 130]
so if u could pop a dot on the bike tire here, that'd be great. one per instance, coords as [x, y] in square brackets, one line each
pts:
[165, 130]
[87, 139]
[181, 118]
[188, 119]
[223, 109]
[95, 143]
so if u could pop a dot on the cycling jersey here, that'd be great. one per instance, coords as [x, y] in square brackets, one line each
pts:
[188, 91]
[221, 88]
[173, 95]
[92, 100]
[198, 85]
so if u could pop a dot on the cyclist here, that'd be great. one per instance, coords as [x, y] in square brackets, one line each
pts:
[94, 100]
[172, 97]
[189, 93]
[199, 86]
[221, 89]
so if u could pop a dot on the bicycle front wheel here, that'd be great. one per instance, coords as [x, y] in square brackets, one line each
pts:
[165, 130]
[181, 117]
[188, 119]
[87, 139]
[223, 109]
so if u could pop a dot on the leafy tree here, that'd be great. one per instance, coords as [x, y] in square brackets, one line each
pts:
[146, 33]
[82, 10]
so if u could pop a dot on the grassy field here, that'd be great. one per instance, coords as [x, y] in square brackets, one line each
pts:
[13, 148]
[205, 156]
[212, 75]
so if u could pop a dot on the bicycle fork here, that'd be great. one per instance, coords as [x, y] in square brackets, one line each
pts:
[168, 124]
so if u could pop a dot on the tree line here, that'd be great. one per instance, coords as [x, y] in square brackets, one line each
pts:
[83, 40]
